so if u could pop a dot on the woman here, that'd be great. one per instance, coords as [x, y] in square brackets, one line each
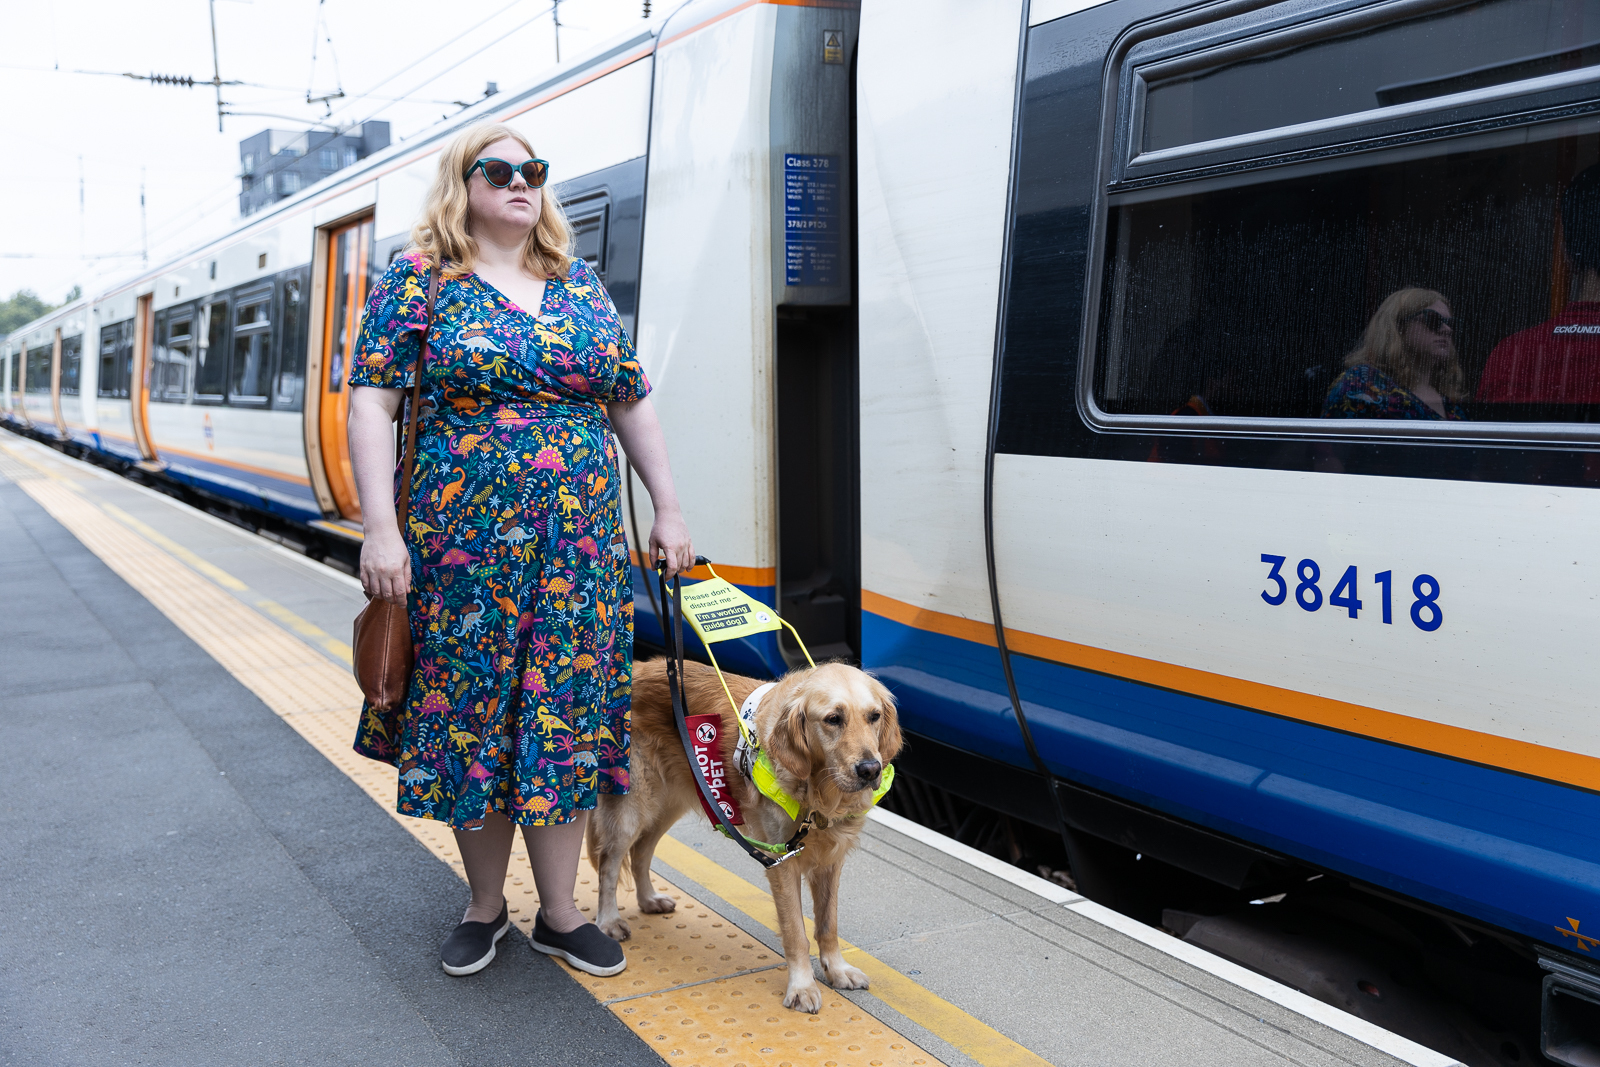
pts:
[1406, 367]
[515, 565]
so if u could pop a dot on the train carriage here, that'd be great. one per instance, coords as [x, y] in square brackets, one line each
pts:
[994, 342]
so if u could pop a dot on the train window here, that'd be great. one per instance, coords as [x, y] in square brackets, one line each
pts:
[1447, 285]
[589, 216]
[38, 379]
[173, 358]
[116, 359]
[252, 349]
[211, 363]
[289, 383]
[71, 364]
[1362, 60]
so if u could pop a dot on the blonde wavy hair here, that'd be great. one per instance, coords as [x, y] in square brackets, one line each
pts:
[441, 233]
[1384, 346]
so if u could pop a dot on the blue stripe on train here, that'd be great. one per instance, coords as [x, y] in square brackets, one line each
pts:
[1513, 851]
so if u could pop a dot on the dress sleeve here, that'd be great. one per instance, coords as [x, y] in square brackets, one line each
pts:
[629, 382]
[391, 328]
[1354, 395]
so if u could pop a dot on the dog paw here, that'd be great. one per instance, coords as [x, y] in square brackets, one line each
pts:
[657, 904]
[843, 976]
[617, 929]
[806, 998]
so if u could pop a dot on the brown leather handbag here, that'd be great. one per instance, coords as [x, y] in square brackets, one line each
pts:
[382, 653]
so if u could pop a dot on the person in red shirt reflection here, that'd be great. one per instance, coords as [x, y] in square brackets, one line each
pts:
[1558, 361]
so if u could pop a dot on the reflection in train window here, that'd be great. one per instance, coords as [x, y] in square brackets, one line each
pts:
[252, 349]
[173, 356]
[211, 374]
[1468, 47]
[116, 359]
[71, 363]
[1250, 295]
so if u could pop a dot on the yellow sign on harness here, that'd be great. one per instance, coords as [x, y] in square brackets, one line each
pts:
[719, 611]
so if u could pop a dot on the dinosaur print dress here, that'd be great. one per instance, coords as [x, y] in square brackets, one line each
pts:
[521, 601]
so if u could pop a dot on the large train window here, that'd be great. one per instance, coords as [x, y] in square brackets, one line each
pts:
[172, 361]
[252, 348]
[1382, 222]
[211, 363]
[71, 364]
[38, 369]
[116, 360]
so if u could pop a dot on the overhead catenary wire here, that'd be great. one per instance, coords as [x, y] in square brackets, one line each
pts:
[208, 206]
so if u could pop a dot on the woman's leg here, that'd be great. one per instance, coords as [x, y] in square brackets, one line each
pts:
[553, 854]
[485, 853]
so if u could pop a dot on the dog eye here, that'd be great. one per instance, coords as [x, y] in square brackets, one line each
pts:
[874, 716]
[835, 719]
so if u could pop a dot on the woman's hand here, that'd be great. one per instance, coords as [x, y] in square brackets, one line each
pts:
[669, 536]
[385, 566]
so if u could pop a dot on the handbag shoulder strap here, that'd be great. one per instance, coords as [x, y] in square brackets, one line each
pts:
[410, 462]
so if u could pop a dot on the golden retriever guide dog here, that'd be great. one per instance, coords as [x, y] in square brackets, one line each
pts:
[829, 731]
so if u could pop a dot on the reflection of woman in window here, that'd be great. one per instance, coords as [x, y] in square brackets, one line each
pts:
[1406, 367]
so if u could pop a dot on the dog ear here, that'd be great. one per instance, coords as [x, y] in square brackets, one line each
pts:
[889, 736]
[787, 744]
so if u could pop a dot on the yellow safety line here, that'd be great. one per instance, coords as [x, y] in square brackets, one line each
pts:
[927, 1009]
[669, 994]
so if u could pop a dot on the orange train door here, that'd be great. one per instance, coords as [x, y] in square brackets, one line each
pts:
[139, 386]
[349, 251]
[55, 385]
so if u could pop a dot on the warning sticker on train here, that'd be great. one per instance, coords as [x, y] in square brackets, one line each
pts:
[719, 611]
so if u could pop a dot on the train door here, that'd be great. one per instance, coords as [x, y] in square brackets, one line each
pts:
[816, 396]
[55, 384]
[139, 385]
[344, 253]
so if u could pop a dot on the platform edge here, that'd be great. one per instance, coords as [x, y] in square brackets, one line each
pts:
[1385, 1041]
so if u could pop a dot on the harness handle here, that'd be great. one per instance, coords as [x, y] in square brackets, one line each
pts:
[672, 633]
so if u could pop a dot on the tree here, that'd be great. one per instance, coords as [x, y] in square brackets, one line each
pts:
[73, 294]
[23, 307]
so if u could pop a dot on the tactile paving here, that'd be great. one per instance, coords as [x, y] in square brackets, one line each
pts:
[698, 989]
[741, 1022]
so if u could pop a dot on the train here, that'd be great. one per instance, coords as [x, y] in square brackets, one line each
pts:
[992, 341]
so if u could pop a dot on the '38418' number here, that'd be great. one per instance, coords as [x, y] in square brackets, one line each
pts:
[1426, 613]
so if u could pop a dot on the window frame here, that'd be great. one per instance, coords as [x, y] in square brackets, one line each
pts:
[204, 313]
[67, 342]
[120, 380]
[592, 203]
[289, 346]
[252, 295]
[163, 335]
[1180, 45]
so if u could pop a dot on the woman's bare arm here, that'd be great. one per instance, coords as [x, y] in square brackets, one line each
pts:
[385, 563]
[639, 431]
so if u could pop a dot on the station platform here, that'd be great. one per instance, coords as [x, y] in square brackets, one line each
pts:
[200, 870]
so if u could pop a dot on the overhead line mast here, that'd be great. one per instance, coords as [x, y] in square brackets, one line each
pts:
[216, 67]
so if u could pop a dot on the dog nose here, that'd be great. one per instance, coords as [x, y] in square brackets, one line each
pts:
[868, 769]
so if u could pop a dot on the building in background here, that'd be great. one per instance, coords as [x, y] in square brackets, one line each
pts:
[274, 164]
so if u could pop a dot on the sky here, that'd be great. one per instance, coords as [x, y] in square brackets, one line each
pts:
[103, 135]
